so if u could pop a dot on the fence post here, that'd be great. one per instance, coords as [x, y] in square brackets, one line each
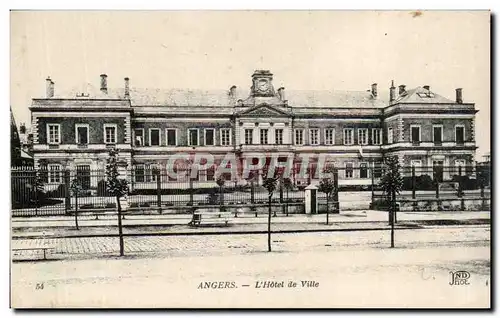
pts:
[483, 201]
[413, 186]
[336, 193]
[158, 190]
[252, 196]
[460, 189]
[191, 190]
[438, 202]
[35, 176]
[281, 195]
[281, 190]
[373, 184]
[67, 205]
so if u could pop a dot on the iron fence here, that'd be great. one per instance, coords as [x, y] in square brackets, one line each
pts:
[48, 190]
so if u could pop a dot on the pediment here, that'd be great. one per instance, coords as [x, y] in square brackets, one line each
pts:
[264, 111]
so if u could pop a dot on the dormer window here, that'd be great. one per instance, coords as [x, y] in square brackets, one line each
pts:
[426, 95]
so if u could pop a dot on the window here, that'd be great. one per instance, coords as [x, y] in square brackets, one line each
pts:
[363, 136]
[437, 134]
[171, 137]
[139, 173]
[248, 136]
[82, 134]
[109, 134]
[263, 136]
[349, 170]
[278, 136]
[363, 170]
[314, 136]
[390, 135]
[154, 137]
[139, 137]
[418, 166]
[209, 137]
[299, 136]
[329, 136]
[193, 137]
[151, 172]
[54, 174]
[377, 170]
[415, 134]
[54, 133]
[348, 136]
[225, 137]
[459, 134]
[376, 136]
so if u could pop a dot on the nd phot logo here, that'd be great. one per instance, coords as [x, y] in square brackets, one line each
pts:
[459, 278]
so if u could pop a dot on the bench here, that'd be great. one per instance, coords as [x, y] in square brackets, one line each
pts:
[35, 248]
[214, 217]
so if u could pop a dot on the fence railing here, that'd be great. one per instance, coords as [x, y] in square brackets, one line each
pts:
[47, 191]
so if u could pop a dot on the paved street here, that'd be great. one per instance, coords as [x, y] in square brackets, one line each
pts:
[346, 276]
[92, 247]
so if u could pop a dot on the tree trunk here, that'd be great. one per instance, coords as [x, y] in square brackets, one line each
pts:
[269, 227]
[120, 229]
[76, 211]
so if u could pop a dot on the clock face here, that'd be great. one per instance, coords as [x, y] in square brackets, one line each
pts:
[262, 85]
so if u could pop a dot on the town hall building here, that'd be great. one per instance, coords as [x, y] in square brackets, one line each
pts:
[355, 129]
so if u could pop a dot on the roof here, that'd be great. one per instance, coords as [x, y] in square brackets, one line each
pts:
[221, 98]
[421, 95]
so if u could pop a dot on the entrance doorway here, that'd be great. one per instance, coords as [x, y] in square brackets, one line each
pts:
[438, 170]
[83, 176]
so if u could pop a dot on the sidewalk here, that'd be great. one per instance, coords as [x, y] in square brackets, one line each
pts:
[178, 224]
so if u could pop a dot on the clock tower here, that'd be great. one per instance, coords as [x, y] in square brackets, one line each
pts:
[262, 83]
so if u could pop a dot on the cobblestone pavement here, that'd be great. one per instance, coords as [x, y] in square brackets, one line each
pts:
[92, 247]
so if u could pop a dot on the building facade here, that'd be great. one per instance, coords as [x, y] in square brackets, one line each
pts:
[353, 130]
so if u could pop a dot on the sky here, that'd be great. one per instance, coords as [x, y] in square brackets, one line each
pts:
[305, 50]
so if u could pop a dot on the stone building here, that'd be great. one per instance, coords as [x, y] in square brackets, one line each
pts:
[354, 129]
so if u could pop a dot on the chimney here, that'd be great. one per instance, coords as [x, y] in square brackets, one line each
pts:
[232, 91]
[127, 88]
[459, 96]
[104, 83]
[401, 89]
[47, 87]
[51, 89]
[392, 92]
[374, 90]
[427, 87]
[281, 93]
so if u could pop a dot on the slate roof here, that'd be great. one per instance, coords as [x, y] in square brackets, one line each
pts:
[220, 98]
[421, 95]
